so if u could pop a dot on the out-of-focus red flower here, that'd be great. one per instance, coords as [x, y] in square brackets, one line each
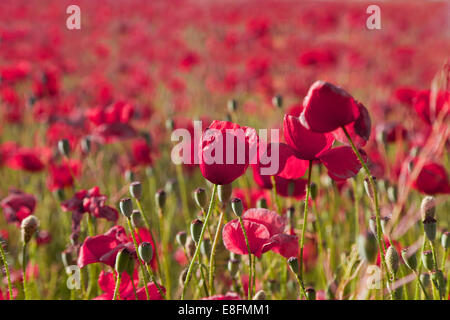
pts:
[252, 195]
[141, 153]
[427, 111]
[43, 237]
[432, 179]
[18, 205]
[25, 159]
[62, 175]
[405, 95]
[180, 257]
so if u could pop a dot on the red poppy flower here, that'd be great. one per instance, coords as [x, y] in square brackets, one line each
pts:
[107, 282]
[141, 153]
[252, 195]
[18, 205]
[328, 107]
[25, 159]
[432, 179]
[224, 151]
[428, 112]
[62, 175]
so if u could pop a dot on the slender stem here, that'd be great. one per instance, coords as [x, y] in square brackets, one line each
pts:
[444, 260]
[376, 204]
[212, 264]
[197, 249]
[435, 261]
[275, 195]
[166, 266]
[152, 276]
[249, 295]
[24, 271]
[301, 285]
[134, 290]
[202, 275]
[183, 192]
[5, 264]
[421, 285]
[116, 289]
[254, 274]
[419, 269]
[305, 219]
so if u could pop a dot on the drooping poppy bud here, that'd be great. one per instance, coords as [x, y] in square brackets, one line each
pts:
[384, 221]
[277, 101]
[126, 207]
[368, 187]
[181, 238]
[425, 279]
[64, 147]
[200, 198]
[160, 198]
[237, 207]
[146, 252]
[86, 145]
[28, 228]
[367, 247]
[310, 294]
[129, 175]
[293, 264]
[410, 259]
[196, 229]
[224, 193]
[205, 248]
[170, 124]
[373, 225]
[427, 260]
[233, 266]
[428, 207]
[261, 203]
[232, 105]
[136, 190]
[190, 247]
[123, 260]
[170, 185]
[260, 295]
[445, 240]
[136, 219]
[429, 226]
[392, 193]
[392, 261]
[67, 259]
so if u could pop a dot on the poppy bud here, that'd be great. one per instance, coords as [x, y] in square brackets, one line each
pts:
[438, 278]
[129, 176]
[59, 194]
[170, 124]
[136, 190]
[232, 105]
[445, 240]
[205, 248]
[190, 247]
[86, 145]
[224, 193]
[428, 207]
[261, 203]
[28, 227]
[310, 294]
[369, 188]
[64, 147]
[373, 225]
[237, 207]
[409, 259]
[290, 212]
[234, 256]
[392, 193]
[170, 185]
[182, 277]
[313, 190]
[160, 198]
[384, 221]
[196, 229]
[146, 252]
[67, 259]
[260, 295]
[293, 264]
[427, 260]
[367, 247]
[123, 260]
[429, 226]
[277, 101]
[233, 266]
[392, 260]
[126, 207]
[136, 219]
[200, 198]
[425, 279]
[181, 238]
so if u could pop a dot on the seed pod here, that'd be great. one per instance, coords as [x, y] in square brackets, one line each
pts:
[409, 259]
[224, 193]
[427, 260]
[369, 188]
[234, 256]
[146, 252]
[123, 260]
[126, 207]
[86, 145]
[277, 101]
[425, 279]
[261, 203]
[160, 198]
[170, 124]
[313, 190]
[136, 190]
[205, 248]
[196, 229]
[445, 240]
[67, 259]
[136, 219]
[438, 279]
[233, 267]
[384, 221]
[260, 295]
[170, 185]
[392, 261]
[293, 264]
[64, 147]
[129, 176]
[232, 105]
[392, 193]
[310, 294]
[190, 247]
[428, 207]
[182, 277]
[200, 198]
[28, 228]
[237, 207]
[373, 225]
[181, 238]
[429, 226]
[367, 246]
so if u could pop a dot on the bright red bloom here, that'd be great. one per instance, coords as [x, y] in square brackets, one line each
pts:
[18, 205]
[252, 195]
[432, 179]
[62, 175]
[25, 159]
[341, 162]
[328, 107]
[141, 153]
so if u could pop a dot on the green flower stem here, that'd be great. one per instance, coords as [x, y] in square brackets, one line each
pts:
[92, 268]
[152, 277]
[144, 275]
[197, 249]
[376, 204]
[5, 263]
[444, 260]
[212, 260]
[166, 266]
[183, 192]
[202, 275]
[24, 271]
[134, 290]
[275, 195]
[116, 289]
[421, 286]
[250, 277]
[301, 285]
[305, 220]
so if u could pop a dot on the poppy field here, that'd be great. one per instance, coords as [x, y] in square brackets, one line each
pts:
[224, 150]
